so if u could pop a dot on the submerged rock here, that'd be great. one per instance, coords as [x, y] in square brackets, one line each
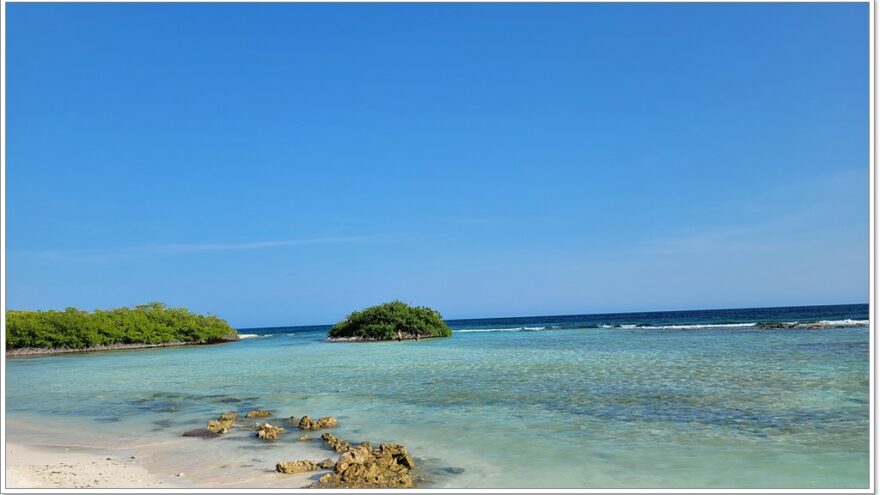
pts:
[201, 433]
[259, 413]
[388, 466]
[228, 415]
[269, 432]
[293, 467]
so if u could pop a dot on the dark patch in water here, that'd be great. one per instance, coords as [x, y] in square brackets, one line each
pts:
[163, 423]
[453, 470]
[108, 419]
[203, 433]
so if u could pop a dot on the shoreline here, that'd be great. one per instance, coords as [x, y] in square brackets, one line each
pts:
[45, 351]
[64, 455]
[54, 466]
[361, 339]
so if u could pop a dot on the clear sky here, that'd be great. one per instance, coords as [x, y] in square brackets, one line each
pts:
[284, 164]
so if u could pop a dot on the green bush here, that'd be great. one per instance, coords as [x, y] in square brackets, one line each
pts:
[383, 322]
[152, 323]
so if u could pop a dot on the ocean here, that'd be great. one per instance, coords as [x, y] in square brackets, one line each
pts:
[737, 398]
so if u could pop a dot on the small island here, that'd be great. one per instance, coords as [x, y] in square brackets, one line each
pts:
[146, 325]
[390, 321]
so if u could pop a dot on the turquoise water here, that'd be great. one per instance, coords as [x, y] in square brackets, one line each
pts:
[673, 403]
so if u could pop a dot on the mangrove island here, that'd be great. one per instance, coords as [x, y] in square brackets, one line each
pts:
[390, 321]
[146, 325]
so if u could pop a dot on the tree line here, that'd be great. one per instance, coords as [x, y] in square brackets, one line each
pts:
[152, 323]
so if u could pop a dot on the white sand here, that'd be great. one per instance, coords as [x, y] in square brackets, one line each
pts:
[65, 467]
[65, 455]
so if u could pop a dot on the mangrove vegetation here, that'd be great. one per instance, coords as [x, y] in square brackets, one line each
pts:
[391, 321]
[152, 323]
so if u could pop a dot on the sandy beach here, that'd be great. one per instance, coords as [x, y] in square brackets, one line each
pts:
[30, 466]
[60, 455]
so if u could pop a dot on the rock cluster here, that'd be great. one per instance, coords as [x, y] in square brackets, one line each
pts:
[306, 423]
[222, 424]
[335, 443]
[269, 432]
[358, 466]
[387, 466]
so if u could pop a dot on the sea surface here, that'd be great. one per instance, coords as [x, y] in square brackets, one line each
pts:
[687, 399]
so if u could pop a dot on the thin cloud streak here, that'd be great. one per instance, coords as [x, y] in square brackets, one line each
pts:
[171, 249]
[246, 246]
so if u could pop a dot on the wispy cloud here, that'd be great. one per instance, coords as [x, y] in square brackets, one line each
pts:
[247, 246]
[128, 252]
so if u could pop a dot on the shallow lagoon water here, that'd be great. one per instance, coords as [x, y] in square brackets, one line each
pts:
[713, 407]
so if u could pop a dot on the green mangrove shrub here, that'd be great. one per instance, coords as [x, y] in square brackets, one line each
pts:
[387, 321]
[152, 323]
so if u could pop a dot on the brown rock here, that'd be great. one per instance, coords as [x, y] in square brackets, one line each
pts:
[388, 466]
[325, 422]
[227, 416]
[305, 423]
[292, 467]
[327, 463]
[269, 432]
[259, 413]
[335, 443]
[220, 425]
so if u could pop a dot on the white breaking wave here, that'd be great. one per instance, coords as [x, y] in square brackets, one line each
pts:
[845, 323]
[290, 334]
[247, 336]
[700, 325]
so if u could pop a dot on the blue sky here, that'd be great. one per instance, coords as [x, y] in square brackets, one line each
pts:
[287, 163]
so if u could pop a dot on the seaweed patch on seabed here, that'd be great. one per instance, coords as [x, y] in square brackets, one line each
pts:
[163, 423]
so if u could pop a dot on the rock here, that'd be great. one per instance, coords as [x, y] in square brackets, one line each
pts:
[259, 413]
[325, 422]
[335, 443]
[305, 423]
[304, 436]
[327, 463]
[227, 416]
[398, 454]
[292, 467]
[201, 433]
[454, 469]
[269, 432]
[221, 425]
[388, 466]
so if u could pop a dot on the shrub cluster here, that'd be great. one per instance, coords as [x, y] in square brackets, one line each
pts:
[152, 323]
[383, 322]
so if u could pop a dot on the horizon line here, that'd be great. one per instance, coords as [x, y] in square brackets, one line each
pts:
[589, 314]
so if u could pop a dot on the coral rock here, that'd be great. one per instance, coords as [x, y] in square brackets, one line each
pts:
[220, 425]
[293, 467]
[388, 466]
[269, 432]
[335, 443]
